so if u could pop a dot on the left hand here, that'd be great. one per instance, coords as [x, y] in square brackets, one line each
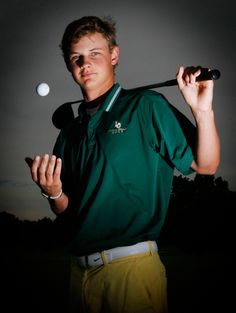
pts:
[198, 95]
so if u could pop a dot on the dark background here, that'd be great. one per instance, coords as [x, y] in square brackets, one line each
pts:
[155, 38]
[196, 246]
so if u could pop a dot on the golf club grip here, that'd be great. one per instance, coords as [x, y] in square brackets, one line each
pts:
[205, 75]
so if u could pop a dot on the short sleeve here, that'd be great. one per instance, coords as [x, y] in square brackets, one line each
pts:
[170, 133]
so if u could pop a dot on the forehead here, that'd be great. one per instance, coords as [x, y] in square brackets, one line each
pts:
[90, 41]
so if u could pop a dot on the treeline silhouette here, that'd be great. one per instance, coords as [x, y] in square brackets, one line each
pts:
[201, 214]
[200, 218]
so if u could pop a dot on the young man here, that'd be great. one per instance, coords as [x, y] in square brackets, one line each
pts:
[111, 172]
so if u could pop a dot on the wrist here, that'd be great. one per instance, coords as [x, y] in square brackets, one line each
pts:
[57, 196]
[201, 115]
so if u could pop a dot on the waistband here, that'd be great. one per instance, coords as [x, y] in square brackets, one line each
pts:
[106, 256]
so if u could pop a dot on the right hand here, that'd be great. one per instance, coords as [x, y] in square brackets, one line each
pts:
[45, 172]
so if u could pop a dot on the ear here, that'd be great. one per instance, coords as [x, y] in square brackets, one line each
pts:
[115, 55]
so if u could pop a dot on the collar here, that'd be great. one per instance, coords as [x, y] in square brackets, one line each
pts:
[111, 98]
[108, 102]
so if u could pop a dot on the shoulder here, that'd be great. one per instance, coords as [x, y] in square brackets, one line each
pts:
[70, 130]
[155, 105]
[140, 93]
[144, 99]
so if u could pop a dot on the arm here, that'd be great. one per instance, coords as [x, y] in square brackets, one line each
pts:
[46, 173]
[199, 96]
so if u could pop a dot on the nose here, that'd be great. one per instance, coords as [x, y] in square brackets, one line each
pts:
[82, 61]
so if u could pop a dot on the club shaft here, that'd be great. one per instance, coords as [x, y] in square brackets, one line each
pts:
[205, 75]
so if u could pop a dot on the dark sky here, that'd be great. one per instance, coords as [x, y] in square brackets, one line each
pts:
[155, 38]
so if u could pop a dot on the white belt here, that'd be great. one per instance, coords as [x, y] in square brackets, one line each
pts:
[95, 259]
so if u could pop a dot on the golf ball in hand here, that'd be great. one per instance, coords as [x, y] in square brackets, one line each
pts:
[42, 89]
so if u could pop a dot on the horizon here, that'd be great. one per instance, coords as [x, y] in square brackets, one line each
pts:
[216, 182]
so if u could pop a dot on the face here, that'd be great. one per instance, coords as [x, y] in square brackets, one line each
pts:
[92, 64]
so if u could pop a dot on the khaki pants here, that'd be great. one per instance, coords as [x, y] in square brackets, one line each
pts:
[133, 284]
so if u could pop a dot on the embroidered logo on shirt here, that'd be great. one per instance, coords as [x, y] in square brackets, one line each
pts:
[118, 129]
[117, 125]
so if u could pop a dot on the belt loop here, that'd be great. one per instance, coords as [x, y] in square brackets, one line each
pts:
[150, 247]
[104, 258]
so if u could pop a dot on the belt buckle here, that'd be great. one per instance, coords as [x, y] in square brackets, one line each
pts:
[94, 259]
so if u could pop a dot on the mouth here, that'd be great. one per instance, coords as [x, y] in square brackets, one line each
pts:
[87, 75]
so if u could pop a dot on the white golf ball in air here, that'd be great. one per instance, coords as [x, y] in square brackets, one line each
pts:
[42, 89]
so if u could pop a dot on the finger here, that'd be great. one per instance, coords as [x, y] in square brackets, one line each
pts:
[42, 169]
[187, 79]
[57, 171]
[198, 70]
[34, 168]
[50, 169]
[188, 70]
[195, 71]
[192, 78]
[179, 77]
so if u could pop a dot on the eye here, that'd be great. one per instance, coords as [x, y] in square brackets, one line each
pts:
[74, 58]
[95, 53]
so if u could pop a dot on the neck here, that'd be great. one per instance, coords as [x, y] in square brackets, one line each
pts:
[93, 106]
[90, 95]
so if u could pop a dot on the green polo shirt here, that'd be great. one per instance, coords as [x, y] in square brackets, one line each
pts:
[118, 168]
